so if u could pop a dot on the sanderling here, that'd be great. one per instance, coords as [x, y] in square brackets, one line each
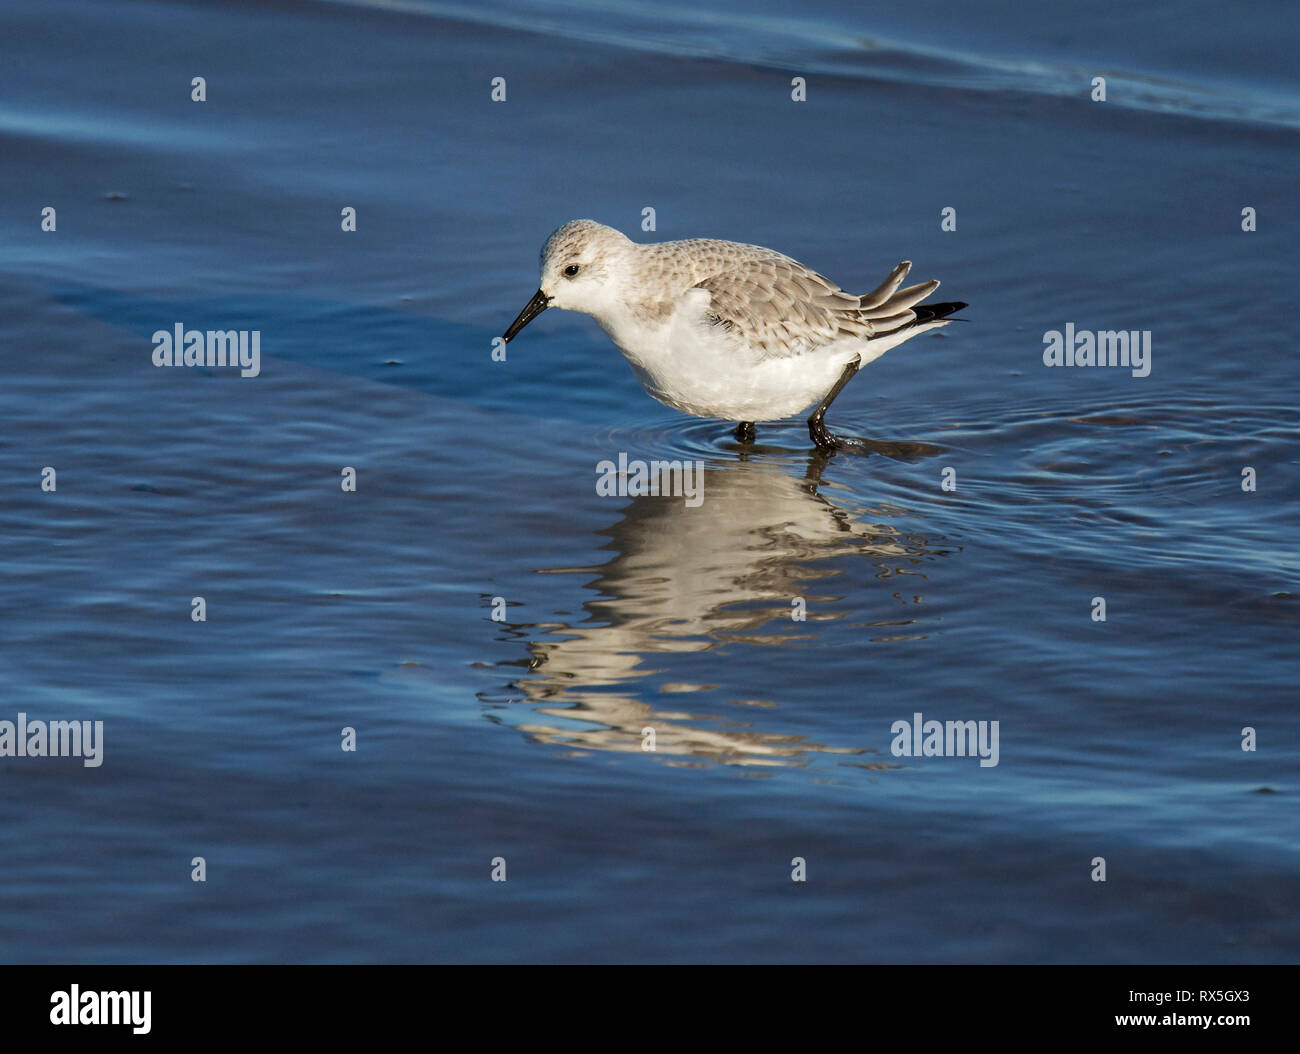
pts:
[728, 330]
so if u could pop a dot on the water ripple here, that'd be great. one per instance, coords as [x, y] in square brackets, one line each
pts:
[802, 46]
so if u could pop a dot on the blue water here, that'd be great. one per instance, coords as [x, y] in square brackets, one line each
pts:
[522, 739]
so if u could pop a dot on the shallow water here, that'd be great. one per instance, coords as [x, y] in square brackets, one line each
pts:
[523, 738]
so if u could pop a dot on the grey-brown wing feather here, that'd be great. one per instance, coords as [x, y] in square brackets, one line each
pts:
[779, 307]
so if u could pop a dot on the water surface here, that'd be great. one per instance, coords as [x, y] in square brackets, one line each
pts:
[523, 738]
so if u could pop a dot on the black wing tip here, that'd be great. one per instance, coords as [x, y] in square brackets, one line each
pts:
[935, 312]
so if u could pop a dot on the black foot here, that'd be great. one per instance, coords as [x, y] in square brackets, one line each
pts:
[745, 432]
[827, 442]
[820, 434]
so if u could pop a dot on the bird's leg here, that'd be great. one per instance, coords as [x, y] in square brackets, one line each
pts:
[745, 431]
[817, 430]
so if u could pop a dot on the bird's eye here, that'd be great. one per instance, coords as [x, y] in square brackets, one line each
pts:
[571, 270]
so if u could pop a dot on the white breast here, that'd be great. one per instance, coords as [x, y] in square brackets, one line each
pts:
[705, 370]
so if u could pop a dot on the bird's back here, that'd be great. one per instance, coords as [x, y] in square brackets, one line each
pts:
[686, 263]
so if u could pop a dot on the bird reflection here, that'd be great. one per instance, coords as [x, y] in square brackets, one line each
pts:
[687, 580]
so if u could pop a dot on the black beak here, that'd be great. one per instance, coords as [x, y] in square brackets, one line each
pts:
[539, 303]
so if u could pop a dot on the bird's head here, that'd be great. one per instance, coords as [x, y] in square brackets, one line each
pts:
[581, 264]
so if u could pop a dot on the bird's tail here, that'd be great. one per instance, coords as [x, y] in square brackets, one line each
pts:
[890, 309]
